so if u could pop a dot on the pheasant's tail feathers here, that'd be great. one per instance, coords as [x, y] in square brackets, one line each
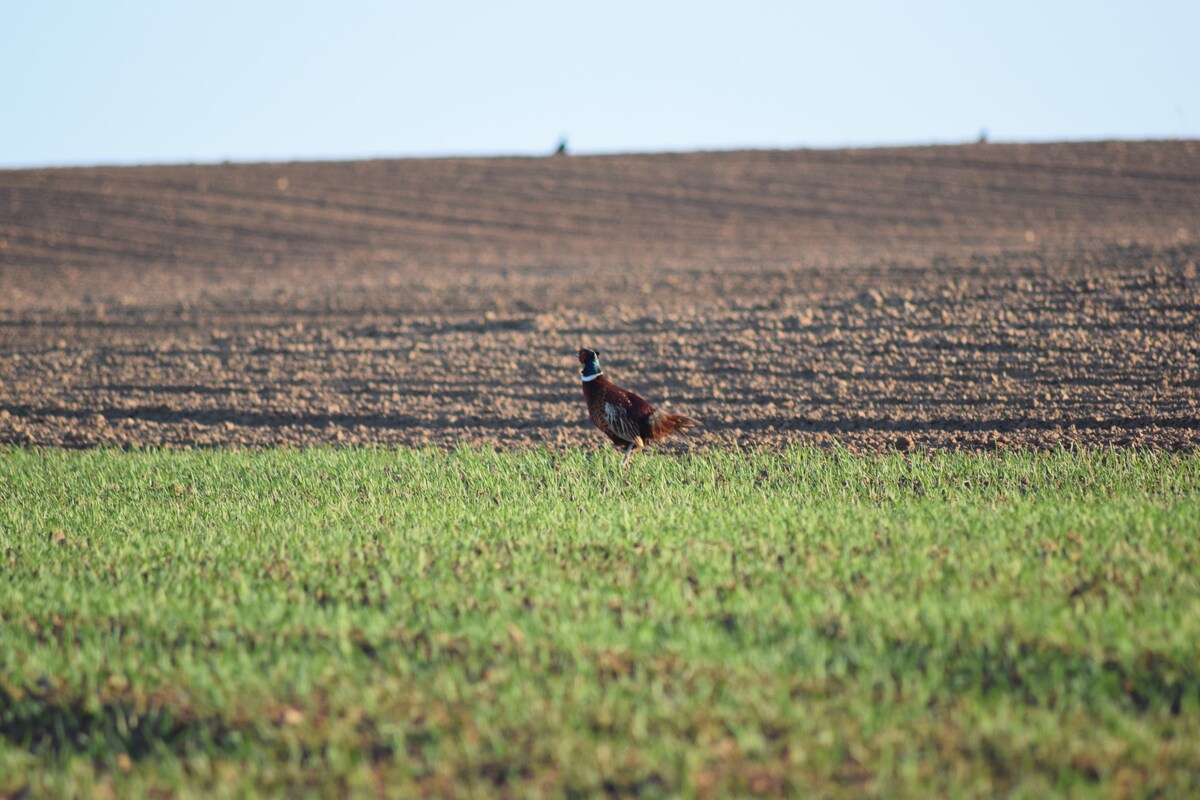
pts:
[663, 424]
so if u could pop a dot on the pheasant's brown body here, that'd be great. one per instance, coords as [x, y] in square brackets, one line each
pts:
[627, 419]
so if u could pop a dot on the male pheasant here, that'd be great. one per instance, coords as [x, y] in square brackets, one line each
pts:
[620, 414]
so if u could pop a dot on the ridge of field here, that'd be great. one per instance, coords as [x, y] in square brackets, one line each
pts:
[978, 296]
[545, 623]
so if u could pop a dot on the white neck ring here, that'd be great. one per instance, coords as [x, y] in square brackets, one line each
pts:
[587, 378]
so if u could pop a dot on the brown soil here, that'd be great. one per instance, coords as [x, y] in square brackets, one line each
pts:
[975, 296]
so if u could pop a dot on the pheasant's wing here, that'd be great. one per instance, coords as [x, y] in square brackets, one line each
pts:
[626, 413]
[619, 422]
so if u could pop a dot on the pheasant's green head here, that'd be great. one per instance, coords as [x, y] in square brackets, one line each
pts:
[591, 363]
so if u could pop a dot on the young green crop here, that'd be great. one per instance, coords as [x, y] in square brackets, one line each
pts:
[350, 621]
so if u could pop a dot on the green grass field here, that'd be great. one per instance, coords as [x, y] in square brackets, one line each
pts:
[362, 622]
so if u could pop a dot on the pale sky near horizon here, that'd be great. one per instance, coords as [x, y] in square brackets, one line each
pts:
[161, 82]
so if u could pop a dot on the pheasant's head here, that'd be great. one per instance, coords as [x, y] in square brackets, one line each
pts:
[591, 363]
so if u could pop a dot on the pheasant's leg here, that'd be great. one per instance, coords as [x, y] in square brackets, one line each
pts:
[628, 453]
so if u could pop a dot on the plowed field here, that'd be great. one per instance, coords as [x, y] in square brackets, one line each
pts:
[982, 296]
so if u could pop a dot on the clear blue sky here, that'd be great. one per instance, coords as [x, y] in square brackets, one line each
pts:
[134, 81]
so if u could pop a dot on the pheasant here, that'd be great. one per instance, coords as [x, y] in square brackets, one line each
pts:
[621, 415]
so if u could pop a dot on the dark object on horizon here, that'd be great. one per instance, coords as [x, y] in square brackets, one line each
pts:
[621, 415]
[983, 136]
[561, 150]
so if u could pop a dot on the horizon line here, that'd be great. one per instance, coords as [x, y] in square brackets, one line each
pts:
[549, 152]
